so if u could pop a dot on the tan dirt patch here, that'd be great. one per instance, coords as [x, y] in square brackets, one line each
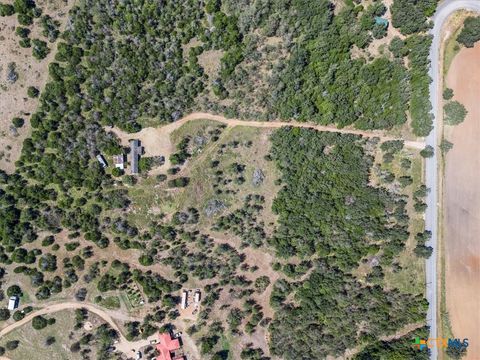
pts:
[210, 62]
[462, 204]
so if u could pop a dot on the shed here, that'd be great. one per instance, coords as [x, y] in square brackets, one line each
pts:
[184, 303]
[101, 160]
[381, 21]
[197, 296]
[119, 161]
[13, 302]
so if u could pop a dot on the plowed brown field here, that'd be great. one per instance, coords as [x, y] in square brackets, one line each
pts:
[462, 203]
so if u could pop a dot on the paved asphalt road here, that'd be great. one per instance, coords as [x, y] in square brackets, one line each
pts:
[444, 10]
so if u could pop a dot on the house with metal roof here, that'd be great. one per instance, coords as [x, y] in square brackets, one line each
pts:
[135, 151]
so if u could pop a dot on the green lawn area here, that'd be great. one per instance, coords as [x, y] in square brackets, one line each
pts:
[110, 302]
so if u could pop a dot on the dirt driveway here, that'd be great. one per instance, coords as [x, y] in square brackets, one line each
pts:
[462, 204]
[156, 141]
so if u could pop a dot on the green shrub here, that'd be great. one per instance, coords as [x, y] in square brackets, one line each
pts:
[23, 6]
[4, 314]
[49, 240]
[71, 246]
[411, 16]
[145, 260]
[25, 43]
[445, 146]
[6, 10]
[14, 290]
[145, 164]
[470, 33]
[32, 92]
[129, 180]
[12, 345]
[117, 172]
[427, 152]
[423, 251]
[18, 122]
[22, 32]
[18, 315]
[39, 322]
[405, 180]
[454, 113]
[178, 182]
[24, 19]
[173, 170]
[392, 146]
[40, 49]
[447, 94]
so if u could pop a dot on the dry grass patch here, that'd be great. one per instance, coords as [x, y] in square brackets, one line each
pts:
[450, 31]
[32, 342]
[14, 101]
[210, 62]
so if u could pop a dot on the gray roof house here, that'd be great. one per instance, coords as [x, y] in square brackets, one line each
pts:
[134, 153]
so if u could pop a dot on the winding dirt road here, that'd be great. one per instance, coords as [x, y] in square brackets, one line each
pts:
[123, 344]
[156, 140]
[277, 124]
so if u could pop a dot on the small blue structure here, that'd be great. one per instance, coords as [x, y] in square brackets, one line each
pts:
[381, 21]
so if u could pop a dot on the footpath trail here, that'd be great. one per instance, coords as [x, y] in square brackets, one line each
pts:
[123, 345]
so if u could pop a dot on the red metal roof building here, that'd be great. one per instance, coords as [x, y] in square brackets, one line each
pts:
[167, 346]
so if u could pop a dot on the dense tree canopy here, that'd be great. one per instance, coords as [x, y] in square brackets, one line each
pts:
[470, 33]
[327, 208]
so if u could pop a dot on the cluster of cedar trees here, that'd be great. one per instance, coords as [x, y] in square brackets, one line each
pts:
[122, 63]
[340, 220]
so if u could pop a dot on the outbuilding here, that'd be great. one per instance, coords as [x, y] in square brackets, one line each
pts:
[13, 302]
[197, 296]
[119, 161]
[184, 303]
[101, 160]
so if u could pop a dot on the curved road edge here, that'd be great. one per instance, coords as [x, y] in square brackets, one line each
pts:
[170, 127]
[122, 345]
[59, 307]
[444, 10]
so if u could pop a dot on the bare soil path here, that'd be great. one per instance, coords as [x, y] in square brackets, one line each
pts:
[123, 345]
[156, 141]
[462, 204]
